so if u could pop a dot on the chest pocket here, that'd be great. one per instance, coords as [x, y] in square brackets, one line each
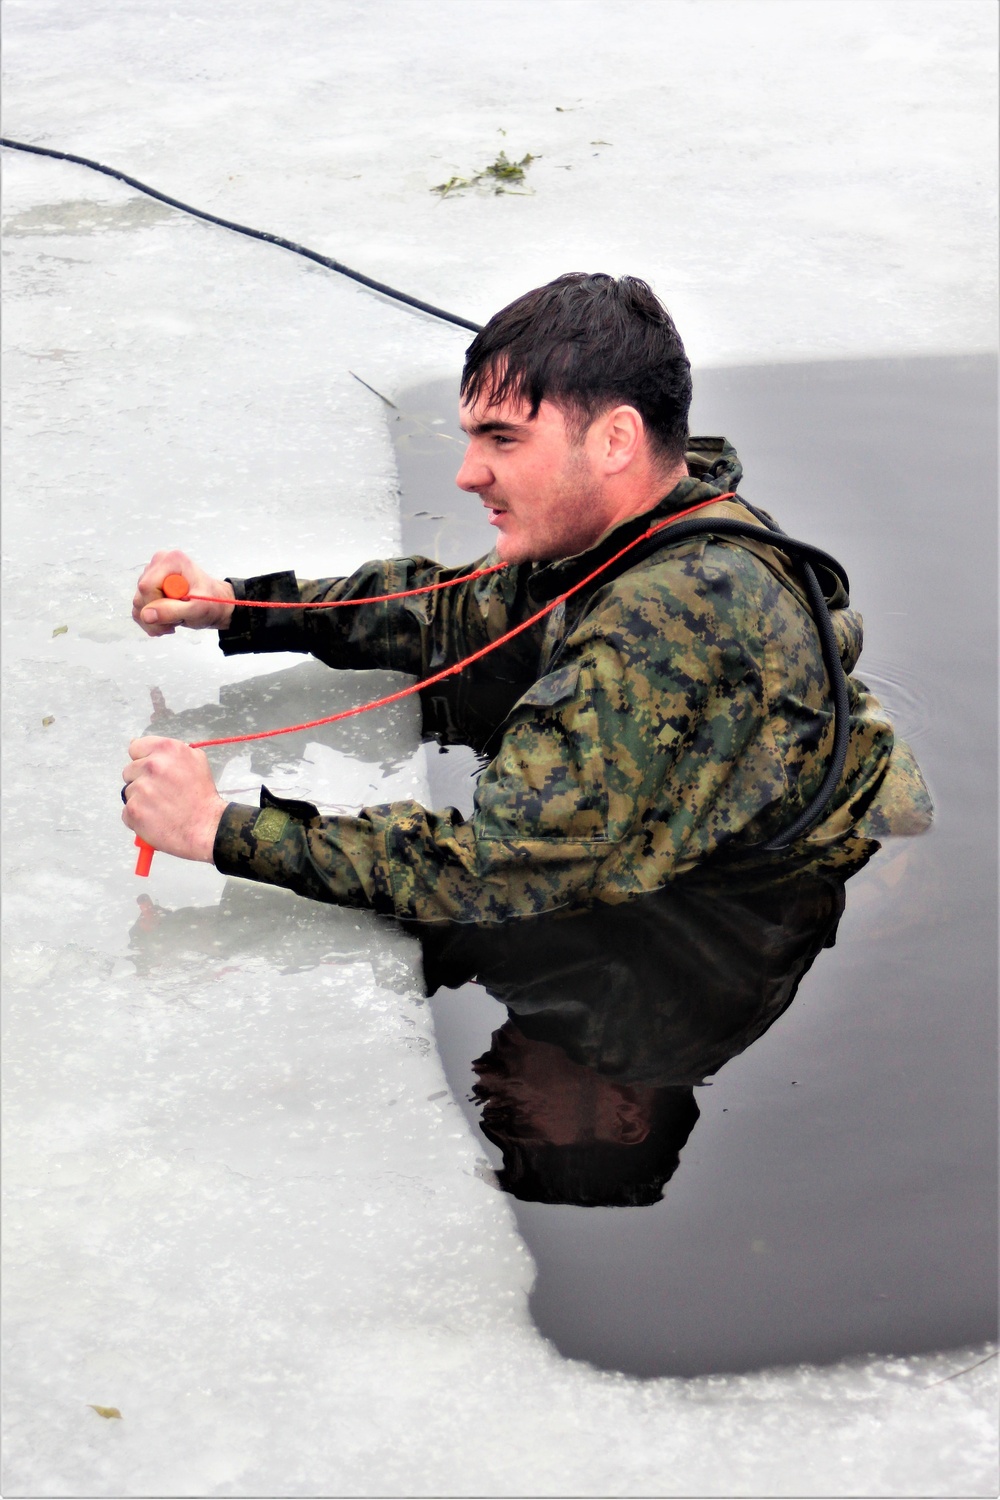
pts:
[555, 688]
[548, 779]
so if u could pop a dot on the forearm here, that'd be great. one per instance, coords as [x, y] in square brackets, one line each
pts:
[402, 859]
[545, 825]
[289, 844]
[417, 634]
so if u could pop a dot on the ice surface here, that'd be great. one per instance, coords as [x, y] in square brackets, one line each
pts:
[240, 1207]
[794, 179]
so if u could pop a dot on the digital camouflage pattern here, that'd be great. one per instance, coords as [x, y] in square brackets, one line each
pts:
[674, 714]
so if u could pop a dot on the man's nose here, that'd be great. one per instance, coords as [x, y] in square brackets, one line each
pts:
[474, 475]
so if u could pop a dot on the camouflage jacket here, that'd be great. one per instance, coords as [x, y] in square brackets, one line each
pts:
[674, 713]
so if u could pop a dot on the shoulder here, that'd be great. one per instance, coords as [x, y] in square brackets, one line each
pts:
[701, 586]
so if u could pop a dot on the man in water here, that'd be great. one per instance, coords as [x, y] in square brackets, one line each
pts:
[673, 712]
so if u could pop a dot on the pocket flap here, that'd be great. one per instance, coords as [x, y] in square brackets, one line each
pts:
[552, 689]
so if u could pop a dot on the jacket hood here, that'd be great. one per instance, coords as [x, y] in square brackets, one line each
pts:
[714, 461]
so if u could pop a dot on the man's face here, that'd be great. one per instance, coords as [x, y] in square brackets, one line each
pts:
[530, 1090]
[540, 485]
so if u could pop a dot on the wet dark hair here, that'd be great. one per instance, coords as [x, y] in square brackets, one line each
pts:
[599, 1174]
[587, 343]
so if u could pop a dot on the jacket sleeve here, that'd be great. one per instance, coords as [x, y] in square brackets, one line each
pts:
[582, 765]
[687, 709]
[419, 635]
[538, 833]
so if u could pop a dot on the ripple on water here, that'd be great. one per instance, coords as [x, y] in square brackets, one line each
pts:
[903, 695]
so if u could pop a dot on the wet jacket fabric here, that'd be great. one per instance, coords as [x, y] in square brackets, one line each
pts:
[676, 712]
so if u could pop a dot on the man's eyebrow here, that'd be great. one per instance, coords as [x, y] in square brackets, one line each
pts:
[481, 429]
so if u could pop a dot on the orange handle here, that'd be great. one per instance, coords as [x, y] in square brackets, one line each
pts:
[175, 586]
[145, 859]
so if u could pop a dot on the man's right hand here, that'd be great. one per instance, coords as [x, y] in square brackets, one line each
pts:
[158, 615]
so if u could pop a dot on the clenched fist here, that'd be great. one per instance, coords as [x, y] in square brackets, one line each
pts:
[170, 798]
[158, 615]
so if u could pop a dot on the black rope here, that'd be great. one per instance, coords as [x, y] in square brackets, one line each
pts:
[254, 234]
[835, 671]
[811, 815]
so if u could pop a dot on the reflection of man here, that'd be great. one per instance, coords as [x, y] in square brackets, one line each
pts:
[676, 708]
[570, 1135]
[532, 1090]
[615, 1014]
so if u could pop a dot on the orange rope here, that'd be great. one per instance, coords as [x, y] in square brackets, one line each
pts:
[146, 851]
[427, 588]
[417, 687]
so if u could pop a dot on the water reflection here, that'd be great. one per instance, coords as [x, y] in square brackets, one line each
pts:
[271, 700]
[571, 1135]
[260, 926]
[616, 1014]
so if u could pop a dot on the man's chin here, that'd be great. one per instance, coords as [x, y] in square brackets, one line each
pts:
[515, 549]
[510, 550]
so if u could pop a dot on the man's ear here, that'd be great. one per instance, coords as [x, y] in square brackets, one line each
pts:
[622, 435]
[632, 1120]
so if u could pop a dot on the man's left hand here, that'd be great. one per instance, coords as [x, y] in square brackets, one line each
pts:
[170, 798]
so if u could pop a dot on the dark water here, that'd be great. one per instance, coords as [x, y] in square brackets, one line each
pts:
[837, 1195]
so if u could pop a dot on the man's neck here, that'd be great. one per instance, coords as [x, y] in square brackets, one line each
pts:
[645, 492]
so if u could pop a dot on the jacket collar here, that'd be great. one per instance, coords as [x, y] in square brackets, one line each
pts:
[714, 469]
[551, 578]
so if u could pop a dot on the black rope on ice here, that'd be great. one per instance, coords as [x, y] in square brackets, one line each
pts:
[254, 234]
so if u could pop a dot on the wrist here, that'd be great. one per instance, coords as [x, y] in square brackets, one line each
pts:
[223, 589]
[205, 838]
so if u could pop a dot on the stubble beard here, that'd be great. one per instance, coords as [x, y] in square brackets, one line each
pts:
[574, 516]
[580, 507]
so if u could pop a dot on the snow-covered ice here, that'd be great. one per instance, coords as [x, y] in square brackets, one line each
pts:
[240, 1206]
